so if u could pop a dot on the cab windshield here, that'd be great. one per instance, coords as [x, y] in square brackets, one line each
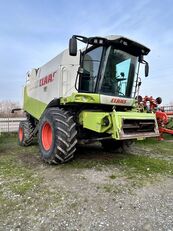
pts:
[119, 73]
[108, 71]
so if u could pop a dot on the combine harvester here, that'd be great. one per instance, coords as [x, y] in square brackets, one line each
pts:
[86, 96]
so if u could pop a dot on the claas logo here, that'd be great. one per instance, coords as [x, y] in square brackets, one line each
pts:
[47, 79]
[117, 100]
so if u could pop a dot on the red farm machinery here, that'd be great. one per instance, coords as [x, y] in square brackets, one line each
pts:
[164, 115]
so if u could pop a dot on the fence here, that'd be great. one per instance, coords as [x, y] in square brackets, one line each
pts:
[168, 108]
[10, 124]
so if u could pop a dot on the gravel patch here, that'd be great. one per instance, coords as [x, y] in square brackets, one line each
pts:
[88, 194]
[76, 200]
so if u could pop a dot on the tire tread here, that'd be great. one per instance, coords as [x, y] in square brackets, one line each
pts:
[65, 136]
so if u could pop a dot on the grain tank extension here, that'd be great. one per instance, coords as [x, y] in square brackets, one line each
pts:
[86, 96]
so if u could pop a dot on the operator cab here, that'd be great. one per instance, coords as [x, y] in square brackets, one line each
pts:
[108, 65]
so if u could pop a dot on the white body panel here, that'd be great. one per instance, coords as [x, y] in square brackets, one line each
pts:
[55, 79]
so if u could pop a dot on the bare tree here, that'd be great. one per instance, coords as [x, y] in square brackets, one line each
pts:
[6, 107]
[171, 103]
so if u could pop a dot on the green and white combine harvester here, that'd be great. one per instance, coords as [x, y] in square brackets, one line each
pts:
[86, 96]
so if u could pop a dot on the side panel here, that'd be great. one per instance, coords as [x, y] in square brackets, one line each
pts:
[68, 76]
[33, 106]
[44, 87]
[58, 83]
[53, 80]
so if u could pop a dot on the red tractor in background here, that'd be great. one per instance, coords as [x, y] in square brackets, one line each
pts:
[164, 120]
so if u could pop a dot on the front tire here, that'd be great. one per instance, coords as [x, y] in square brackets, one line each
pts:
[57, 136]
[115, 145]
[111, 145]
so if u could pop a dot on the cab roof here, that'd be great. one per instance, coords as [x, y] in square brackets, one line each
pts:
[119, 42]
[131, 45]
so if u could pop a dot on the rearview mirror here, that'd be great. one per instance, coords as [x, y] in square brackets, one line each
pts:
[146, 69]
[73, 46]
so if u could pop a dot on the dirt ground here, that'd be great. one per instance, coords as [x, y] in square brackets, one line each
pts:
[96, 191]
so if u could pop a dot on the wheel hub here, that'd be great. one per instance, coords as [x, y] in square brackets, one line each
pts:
[20, 134]
[47, 137]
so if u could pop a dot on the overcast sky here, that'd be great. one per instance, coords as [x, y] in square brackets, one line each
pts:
[34, 31]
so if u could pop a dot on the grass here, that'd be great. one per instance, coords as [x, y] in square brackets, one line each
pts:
[25, 188]
[129, 162]
[17, 181]
[146, 165]
[20, 176]
[160, 147]
[21, 184]
[112, 177]
[142, 164]
[17, 178]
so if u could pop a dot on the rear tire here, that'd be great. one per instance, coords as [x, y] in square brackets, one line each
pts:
[25, 133]
[57, 136]
[127, 146]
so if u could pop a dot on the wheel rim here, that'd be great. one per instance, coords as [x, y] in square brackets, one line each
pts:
[47, 136]
[20, 134]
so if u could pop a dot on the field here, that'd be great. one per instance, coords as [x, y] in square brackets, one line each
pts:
[95, 191]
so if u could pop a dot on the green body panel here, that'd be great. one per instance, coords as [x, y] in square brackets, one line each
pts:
[81, 98]
[33, 106]
[111, 122]
[95, 121]
[100, 122]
